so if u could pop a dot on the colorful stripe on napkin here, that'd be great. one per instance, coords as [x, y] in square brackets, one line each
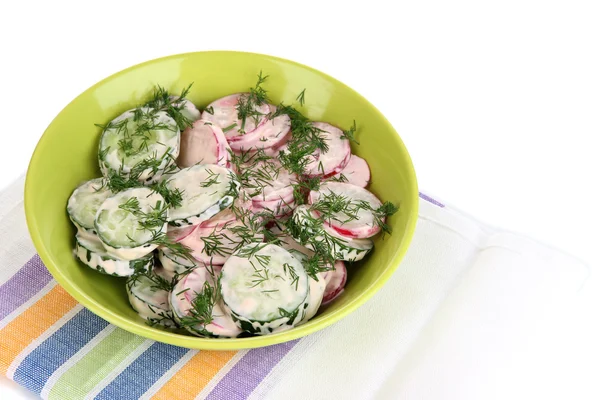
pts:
[57, 349]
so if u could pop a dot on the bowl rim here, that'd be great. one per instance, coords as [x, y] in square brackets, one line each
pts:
[193, 342]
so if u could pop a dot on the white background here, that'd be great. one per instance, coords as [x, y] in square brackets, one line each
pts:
[498, 102]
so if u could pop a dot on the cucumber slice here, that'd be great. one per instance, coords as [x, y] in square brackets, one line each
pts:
[188, 109]
[206, 189]
[84, 203]
[312, 233]
[201, 282]
[174, 263]
[149, 301]
[264, 288]
[92, 253]
[140, 143]
[315, 297]
[129, 222]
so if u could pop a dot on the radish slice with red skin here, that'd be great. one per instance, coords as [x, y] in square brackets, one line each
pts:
[364, 226]
[184, 294]
[270, 134]
[229, 241]
[278, 207]
[274, 151]
[203, 143]
[224, 115]
[242, 204]
[335, 283]
[337, 156]
[271, 182]
[356, 172]
[178, 234]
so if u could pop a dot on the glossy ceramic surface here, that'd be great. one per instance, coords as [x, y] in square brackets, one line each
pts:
[66, 155]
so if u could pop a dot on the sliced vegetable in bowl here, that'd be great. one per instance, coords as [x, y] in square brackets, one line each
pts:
[228, 260]
[55, 170]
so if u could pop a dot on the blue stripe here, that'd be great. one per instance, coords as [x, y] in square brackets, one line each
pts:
[142, 373]
[40, 364]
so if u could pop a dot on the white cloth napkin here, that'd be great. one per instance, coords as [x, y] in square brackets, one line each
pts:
[466, 316]
[469, 314]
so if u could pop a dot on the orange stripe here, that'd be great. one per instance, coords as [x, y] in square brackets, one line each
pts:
[194, 375]
[34, 321]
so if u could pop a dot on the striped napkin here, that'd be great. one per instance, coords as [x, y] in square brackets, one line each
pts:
[57, 349]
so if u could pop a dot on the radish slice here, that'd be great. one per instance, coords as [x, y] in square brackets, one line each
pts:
[272, 133]
[270, 181]
[242, 204]
[203, 143]
[290, 244]
[213, 246]
[315, 297]
[361, 227]
[337, 156]
[336, 283]
[356, 172]
[274, 151]
[178, 234]
[186, 291]
[278, 207]
[225, 116]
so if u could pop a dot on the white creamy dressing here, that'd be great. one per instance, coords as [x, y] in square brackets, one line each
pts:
[279, 207]
[337, 155]
[184, 294]
[85, 201]
[315, 296]
[335, 283]
[92, 253]
[148, 301]
[256, 290]
[203, 143]
[229, 241]
[351, 249]
[356, 172]
[189, 110]
[161, 142]
[174, 263]
[271, 133]
[279, 187]
[116, 226]
[225, 114]
[365, 221]
[199, 200]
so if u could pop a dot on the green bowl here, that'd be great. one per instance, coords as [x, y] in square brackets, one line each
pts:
[66, 155]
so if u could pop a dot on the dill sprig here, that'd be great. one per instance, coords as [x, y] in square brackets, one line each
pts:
[334, 206]
[177, 249]
[291, 271]
[248, 104]
[306, 140]
[201, 311]
[387, 209]
[300, 97]
[212, 179]
[173, 197]
[349, 134]
[173, 105]
[303, 186]
[255, 170]
[122, 179]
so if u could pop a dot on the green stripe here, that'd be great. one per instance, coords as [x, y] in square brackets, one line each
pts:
[82, 377]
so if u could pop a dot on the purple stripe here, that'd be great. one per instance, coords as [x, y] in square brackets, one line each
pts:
[249, 371]
[23, 285]
[431, 200]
